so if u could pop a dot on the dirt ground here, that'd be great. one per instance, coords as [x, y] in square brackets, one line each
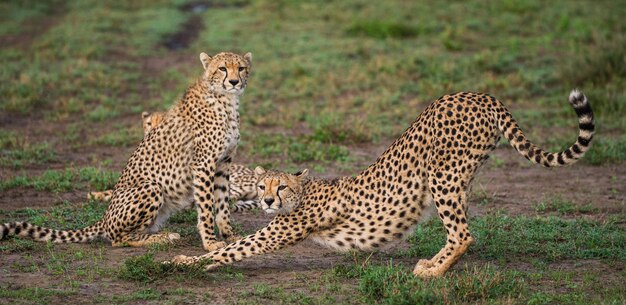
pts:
[512, 186]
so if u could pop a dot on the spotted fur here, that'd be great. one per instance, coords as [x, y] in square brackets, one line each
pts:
[280, 192]
[434, 160]
[242, 180]
[182, 161]
[151, 120]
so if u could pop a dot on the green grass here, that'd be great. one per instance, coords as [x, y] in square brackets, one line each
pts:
[393, 285]
[563, 207]
[145, 269]
[366, 71]
[38, 295]
[71, 64]
[602, 70]
[122, 136]
[19, 245]
[315, 148]
[65, 180]
[64, 216]
[140, 295]
[356, 80]
[17, 152]
[381, 30]
[482, 284]
[505, 238]
[576, 288]
[605, 150]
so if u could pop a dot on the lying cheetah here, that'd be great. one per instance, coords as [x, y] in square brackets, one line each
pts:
[181, 161]
[242, 180]
[433, 161]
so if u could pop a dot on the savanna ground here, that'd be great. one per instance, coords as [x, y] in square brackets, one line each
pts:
[333, 84]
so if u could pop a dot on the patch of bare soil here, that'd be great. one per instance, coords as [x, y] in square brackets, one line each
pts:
[190, 29]
[186, 35]
[21, 198]
[516, 185]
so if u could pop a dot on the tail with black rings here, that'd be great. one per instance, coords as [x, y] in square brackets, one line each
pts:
[511, 130]
[38, 233]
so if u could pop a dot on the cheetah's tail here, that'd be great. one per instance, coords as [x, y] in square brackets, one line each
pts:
[535, 154]
[37, 233]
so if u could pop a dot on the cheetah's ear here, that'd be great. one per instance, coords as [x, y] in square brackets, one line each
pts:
[259, 170]
[303, 173]
[248, 57]
[145, 114]
[205, 59]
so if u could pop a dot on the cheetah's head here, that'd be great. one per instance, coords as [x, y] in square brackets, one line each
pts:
[227, 72]
[279, 192]
[151, 120]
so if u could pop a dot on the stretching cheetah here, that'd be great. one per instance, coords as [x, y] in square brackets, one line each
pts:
[433, 161]
[242, 180]
[181, 161]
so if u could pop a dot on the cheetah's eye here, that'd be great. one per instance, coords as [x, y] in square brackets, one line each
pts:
[241, 69]
[223, 69]
[282, 187]
[262, 187]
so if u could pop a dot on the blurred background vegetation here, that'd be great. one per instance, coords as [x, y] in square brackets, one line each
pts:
[328, 75]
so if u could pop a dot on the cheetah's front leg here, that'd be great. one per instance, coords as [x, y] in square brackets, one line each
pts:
[203, 195]
[268, 239]
[222, 214]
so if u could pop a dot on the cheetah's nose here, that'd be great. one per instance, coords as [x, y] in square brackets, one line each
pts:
[233, 81]
[269, 200]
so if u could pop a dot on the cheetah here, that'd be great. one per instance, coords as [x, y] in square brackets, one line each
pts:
[180, 162]
[434, 161]
[151, 120]
[243, 188]
[242, 180]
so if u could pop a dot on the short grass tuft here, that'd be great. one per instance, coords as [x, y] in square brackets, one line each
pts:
[394, 285]
[548, 238]
[382, 29]
[143, 268]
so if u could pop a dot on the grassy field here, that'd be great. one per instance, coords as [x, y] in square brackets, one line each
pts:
[333, 83]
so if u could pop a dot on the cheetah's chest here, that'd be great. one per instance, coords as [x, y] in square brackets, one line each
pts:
[232, 135]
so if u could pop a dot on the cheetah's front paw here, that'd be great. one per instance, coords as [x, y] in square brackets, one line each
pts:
[233, 238]
[211, 266]
[181, 260]
[214, 245]
[424, 263]
[173, 236]
[431, 272]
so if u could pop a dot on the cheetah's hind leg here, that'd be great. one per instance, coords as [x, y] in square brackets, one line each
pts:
[451, 209]
[134, 212]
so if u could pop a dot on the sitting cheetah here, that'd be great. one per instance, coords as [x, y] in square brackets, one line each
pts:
[242, 180]
[151, 120]
[433, 161]
[181, 161]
